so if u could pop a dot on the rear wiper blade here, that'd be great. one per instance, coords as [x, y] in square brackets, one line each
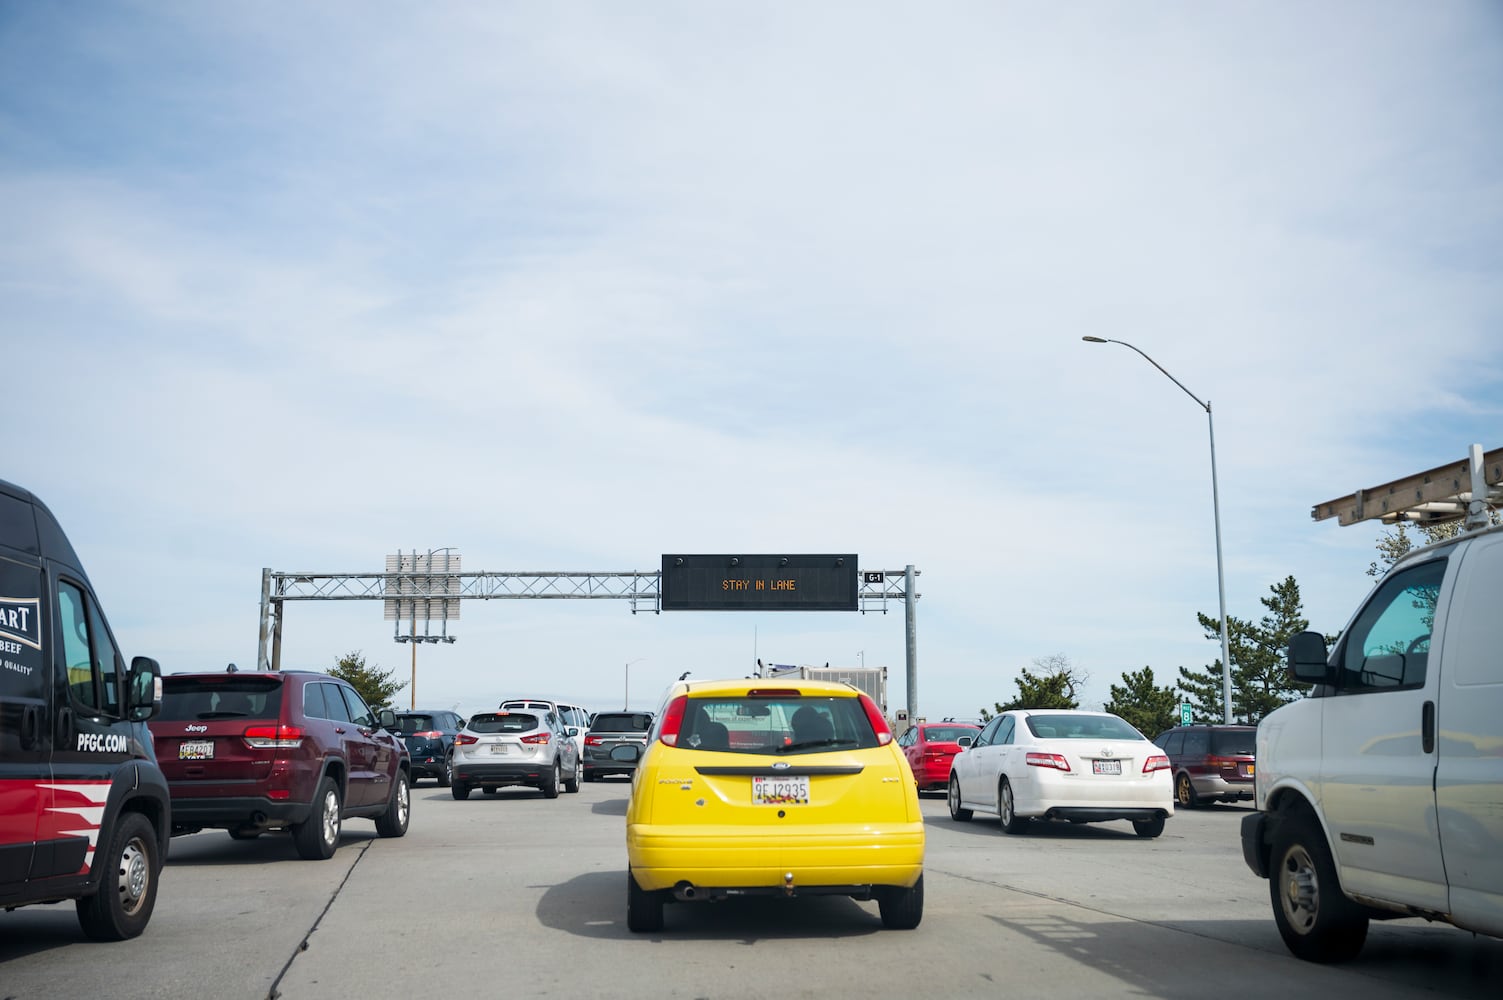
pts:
[806, 744]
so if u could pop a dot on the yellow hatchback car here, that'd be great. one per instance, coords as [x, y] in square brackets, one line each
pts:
[756, 787]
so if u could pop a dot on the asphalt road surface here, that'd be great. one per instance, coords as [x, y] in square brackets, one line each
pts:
[517, 895]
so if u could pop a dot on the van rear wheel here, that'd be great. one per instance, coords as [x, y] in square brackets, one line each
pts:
[1316, 920]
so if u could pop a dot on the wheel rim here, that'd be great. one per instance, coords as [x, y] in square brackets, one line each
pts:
[558, 771]
[954, 796]
[449, 771]
[1299, 890]
[1184, 789]
[1006, 796]
[578, 771]
[135, 876]
[331, 817]
[404, 802]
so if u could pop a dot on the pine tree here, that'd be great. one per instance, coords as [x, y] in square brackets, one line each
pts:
[1150, 709]
[1054, 686]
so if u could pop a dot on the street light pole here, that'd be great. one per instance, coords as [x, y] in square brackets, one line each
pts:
[1226, 657]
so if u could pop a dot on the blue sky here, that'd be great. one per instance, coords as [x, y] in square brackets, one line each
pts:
[569, 287]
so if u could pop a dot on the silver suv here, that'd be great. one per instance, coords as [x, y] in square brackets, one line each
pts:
[515, 746]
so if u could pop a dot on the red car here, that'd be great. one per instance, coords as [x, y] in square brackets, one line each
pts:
[930, 748]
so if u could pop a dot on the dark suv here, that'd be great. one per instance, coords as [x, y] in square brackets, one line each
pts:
[297, 750]
[429, 734]
[608, 731]
[1210, 763]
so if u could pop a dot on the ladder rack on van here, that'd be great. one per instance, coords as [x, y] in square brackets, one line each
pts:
[1460, 490]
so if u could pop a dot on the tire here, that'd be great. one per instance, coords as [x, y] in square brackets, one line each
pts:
[549, 784]
[1149, 828]
[958, 813]
[644, 910]
[1184, 791]
[1007, 810]
[127, 885]
[318, 835]
[489, 789]
[393, 822]
[446, 776]
[572, 784]
[1316, 920]
[245, 834]
[901, 909]
[459, 791]
[591, 776]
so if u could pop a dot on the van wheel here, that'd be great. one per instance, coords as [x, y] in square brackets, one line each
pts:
[128, 886]
[318, 835]
[1184, 791]
[393, 822]
[549, 784]
[1007, 810]
[1316, 920]
[644, 909]
[958, 813]
[901, 909]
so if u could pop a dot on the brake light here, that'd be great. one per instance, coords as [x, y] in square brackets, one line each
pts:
[773, 693]
[538, 739]
[431, 734]
[1054, 760]
[593, 741]
[673, 720]
[273, 737]
[879, 724]
[1158, 762]
[1225, 763]
[465, 739]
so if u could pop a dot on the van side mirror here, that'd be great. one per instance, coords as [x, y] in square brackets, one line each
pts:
[1308, 658]
[143, 692]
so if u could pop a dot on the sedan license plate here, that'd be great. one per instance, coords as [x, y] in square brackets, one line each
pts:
[1106, 767]
[774, 791]
[196, 750]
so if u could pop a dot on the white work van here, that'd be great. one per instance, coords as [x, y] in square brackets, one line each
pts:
[1381, 794]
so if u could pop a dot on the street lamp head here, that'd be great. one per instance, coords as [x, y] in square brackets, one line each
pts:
[1095, 340]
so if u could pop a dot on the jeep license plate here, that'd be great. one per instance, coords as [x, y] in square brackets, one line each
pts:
[1106, 767]
[774, 791]
[195, 750]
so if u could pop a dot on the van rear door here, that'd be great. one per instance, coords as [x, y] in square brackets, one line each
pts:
[1469, 721]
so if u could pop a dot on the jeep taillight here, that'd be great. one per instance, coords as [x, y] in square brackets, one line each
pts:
[465, 739]
[879, 724]
[1054, 760]
[1158, 762]
[673, 720]
[273, 737]
[538, 739]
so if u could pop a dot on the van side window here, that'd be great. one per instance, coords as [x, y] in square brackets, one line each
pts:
[88, 653]
[1388, 646]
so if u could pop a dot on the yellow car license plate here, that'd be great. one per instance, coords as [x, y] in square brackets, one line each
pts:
[775, 791]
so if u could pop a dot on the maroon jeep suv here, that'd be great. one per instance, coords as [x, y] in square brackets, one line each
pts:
[297, 750]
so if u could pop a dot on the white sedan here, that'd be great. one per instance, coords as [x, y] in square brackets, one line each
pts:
[1085, 767]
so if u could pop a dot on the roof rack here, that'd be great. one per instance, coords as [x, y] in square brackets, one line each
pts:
[1466, 489]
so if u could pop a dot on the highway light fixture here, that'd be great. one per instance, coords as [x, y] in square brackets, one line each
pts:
[1226, 658]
